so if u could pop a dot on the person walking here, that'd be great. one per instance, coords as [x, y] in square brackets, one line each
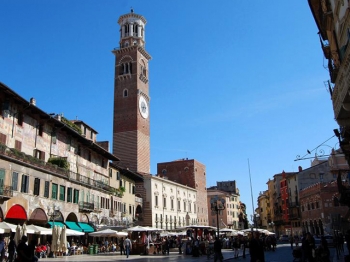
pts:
[11, 248]
[127, 246]
[256, 248]
[217, 250]
[23, 251]
[179, 244]
[121, 246]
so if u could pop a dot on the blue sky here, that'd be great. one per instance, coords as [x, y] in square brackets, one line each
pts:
[229, 80]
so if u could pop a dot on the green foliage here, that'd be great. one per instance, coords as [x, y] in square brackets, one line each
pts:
[118, 191]
[60, 162]
[71, 125]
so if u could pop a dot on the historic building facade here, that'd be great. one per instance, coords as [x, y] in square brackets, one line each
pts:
[51, 168]
[191, 173]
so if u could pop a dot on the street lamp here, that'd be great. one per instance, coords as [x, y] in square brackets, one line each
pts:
[53, 213]
[217, 204]
[271, 225]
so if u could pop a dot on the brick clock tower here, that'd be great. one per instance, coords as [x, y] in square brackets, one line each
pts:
[131, 120]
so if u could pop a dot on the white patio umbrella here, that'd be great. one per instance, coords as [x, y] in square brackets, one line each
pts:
[121, 234]
[39, 230]
[104, 233]
[24, 230]
[8, 227]
[54, 239]
[18, 234]
[63, 240]
[137, 229]
[58, 239]
[71, 232]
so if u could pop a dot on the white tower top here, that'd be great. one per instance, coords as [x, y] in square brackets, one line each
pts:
[132, 30]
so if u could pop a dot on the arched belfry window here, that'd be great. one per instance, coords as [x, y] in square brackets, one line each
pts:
[126, 68]
[136, 26]
[126, 30]
[125, 93]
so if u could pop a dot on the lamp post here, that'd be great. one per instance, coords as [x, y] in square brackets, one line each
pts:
[217, 204]
[54, 213]
[271, 225]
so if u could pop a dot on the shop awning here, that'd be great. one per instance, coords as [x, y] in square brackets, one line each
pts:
[17, 212]
[73, 225]
[56, 223]
[86, 227]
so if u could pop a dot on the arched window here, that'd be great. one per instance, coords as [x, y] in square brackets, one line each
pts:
[125, 93]
[136, 29]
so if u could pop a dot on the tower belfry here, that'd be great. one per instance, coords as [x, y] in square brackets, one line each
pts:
[131, 120]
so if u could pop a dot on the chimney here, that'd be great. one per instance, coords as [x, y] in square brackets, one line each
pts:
[300, 168]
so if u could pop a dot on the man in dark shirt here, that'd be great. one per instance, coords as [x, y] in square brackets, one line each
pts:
[11, 248]
[23, 251]
[256, 248]
[217, 250]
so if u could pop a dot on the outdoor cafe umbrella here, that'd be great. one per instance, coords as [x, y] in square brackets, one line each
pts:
[54, 239]
[63, 240]
[18, 234]
[104, 233]
[24, 229]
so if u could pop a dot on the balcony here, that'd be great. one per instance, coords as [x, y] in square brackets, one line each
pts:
[138, 200]
[6, 192]
[15, 155]
[86, 207]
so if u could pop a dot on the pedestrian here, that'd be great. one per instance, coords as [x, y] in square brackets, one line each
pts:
[11, 248]
[127, 246]
[256, 248]
[217, 250]
[291, 240]
[2, 248]
[23, 252]
[121, 246]
[179, 244]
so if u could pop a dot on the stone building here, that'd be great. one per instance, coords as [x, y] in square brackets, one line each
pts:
[321, 211]
[191, 173]
[51, 168]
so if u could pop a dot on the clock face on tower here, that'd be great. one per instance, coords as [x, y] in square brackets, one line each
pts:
[143, 107]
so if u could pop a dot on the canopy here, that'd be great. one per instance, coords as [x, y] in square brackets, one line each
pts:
[71, 232]
[39, 230]
[8, 227]
[139, 229]
[104, 233]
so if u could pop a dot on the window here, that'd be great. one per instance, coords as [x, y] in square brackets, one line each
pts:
[40, 130]
[70, 195]
[125, 93]
[156, 201]
[47, 189]
[79, 151]
[130, 210]
[172, 204]
[54, 192]
[2, 139]
[129, 187]
[14, 181]
[164, 202]
[118, 175]
[89, 156]
[184, 206]
[20, 119]
[36, 190]
[76, 196]
[110, 172]
[178, 205]
[39, 154]
[18, 145]
[133, 189]
[62, 193]
[25, 184]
